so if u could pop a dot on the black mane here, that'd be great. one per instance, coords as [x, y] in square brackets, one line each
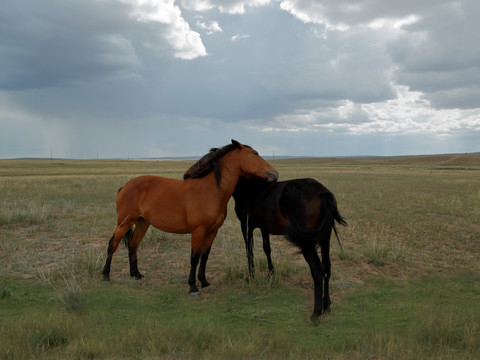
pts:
[209, 162]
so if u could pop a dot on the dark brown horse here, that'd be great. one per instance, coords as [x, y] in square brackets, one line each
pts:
[196, 205]
[304, 211]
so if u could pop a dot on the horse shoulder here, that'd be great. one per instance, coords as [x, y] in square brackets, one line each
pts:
[205, 205]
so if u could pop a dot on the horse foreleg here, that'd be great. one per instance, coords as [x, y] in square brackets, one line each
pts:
[196, 243]
[194, 259]
[141, 228]
[112, 247]
[316, 268]
[201, 271]
[207, 244]
[267, 250]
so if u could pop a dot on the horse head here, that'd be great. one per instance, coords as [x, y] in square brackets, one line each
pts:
[252, 165]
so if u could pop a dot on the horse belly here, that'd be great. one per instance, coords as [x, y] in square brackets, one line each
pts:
[271, 219]
[168, 222]
[277, 228]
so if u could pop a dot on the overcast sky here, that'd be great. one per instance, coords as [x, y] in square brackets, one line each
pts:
[156, 78]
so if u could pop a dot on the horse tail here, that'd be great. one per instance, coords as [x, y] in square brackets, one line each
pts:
[126, 238]
[128, 235]
[338, 219]
[299, 234]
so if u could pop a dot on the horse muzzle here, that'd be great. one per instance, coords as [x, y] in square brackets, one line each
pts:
[272, 176]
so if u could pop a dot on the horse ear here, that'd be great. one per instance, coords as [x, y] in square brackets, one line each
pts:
[236, 144]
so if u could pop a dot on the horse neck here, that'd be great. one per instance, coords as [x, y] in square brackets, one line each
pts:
[230, 174]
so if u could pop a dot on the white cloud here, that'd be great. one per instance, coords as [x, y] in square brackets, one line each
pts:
[187, 44]
[341, 15]
[395, 23]
[224, 6]
[197, 5]
[239, 37]
[407, 114]
[210, 27]
[412, 114]
[312, 12]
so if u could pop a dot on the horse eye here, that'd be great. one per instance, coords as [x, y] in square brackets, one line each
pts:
[255, 153]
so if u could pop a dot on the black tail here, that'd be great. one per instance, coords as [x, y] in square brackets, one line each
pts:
[126, 239]
[300, 235]
[339, 219]
[128, 234]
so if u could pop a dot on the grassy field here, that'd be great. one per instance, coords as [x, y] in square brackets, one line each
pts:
[405, 286]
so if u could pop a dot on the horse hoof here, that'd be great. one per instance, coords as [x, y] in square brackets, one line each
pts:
[314, 319]
[137, 275]
[195, 294]
[207, 288]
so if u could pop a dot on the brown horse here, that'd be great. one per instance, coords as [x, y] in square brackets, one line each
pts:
[196, 205]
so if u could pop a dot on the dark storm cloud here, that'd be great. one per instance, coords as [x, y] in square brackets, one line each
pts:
[278, 65]
[435, 50]
[57, 43]
[438, 57]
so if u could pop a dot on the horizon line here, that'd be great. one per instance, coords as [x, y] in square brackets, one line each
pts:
[197, 157]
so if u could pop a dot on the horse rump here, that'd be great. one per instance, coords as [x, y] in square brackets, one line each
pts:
[296, 200]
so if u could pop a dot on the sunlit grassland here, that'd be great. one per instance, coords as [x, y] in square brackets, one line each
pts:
[406, 284]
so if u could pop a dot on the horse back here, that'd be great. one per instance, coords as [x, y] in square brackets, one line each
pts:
[158, 200]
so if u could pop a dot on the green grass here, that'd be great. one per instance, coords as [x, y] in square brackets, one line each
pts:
[405, 285]
[387, 319]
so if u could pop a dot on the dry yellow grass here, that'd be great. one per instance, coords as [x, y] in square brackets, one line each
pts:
[406, 216]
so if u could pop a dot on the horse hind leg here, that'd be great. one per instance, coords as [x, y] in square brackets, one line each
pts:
[108, 262]
[119, 233]
[317, 271]
[141, 227]
[248, 237]
[325, 249]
